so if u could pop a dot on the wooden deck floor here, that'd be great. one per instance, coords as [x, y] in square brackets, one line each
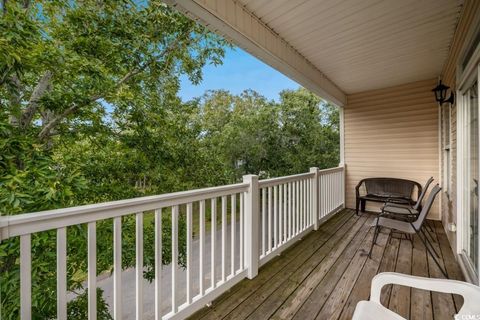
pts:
[324, 275]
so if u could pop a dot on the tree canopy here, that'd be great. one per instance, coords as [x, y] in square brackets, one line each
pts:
[90, 112]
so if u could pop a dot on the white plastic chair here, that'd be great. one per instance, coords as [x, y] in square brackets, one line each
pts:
[374, 310]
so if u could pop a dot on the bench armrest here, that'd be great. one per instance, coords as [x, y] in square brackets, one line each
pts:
[357, 187]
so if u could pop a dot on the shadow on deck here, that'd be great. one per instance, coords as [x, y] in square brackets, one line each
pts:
[324, 275]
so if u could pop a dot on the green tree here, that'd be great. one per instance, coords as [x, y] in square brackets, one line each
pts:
[74, 74]
[89, 112]
[310, 128]
[246, 133]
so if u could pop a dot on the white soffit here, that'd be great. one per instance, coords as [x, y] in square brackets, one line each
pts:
[233, 21]
[365, 44]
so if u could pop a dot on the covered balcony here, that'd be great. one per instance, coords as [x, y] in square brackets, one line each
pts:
[324, 275]
[292, 247]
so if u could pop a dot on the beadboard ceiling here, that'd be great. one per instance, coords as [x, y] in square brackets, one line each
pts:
[365, 44]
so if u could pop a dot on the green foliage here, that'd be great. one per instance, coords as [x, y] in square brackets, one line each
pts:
[77, 77]
[78, 308]
[248, 134]
[89, 113]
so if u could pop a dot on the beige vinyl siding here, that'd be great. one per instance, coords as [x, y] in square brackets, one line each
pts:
[391, 132]
[466, 26]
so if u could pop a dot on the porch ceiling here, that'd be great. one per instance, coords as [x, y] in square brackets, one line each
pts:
[368, 44]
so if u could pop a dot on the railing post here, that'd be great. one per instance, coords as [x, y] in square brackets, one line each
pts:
[251, 225]
[314, 170]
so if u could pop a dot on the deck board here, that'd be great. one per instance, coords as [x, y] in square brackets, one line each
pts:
[324, 275]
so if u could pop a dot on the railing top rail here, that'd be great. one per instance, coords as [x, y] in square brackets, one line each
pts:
[330, 170]
[280, 180]
[11, 226]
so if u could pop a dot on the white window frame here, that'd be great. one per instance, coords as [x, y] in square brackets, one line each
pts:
[465, 80]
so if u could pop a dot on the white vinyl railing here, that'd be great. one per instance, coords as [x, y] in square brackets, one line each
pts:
[331, 194]
[286, 212]
[249, 223]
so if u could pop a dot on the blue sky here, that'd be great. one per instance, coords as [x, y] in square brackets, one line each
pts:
[238, 72]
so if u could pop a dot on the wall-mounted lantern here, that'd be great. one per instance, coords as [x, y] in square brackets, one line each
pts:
[441, 93]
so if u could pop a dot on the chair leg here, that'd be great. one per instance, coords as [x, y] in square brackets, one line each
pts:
[362, 205]
[429, 227]
[428, 241]
[433, 257]
[374, 240]
[431, 234]
[430, 231]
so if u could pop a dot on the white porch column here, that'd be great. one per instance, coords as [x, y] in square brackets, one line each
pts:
[342, 136]
[314, 170]
[251, 229]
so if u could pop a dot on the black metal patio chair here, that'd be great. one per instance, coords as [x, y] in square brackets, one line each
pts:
[410, 228]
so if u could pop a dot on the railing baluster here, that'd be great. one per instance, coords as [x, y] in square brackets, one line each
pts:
[337, 193]
[174, 257]
[307, 202]
[189, 253]
[290, 205]
[275, 216]
[25, 277]
[242, 216]
[297, 208]
[264, 220]
[224, 238]
[92, 270]
[334, 178]
[233, 202]
[339, 188]
[329, 188]
[308, 183]
[324, 196]
[310, 201]
[313, 193]
[319, 197]
[334, 188]
[139, 265]
[269, 238]
[117, 268]
[332, 192]
[158, 264]
[285, 201]
[330, 183]
[202, 248]
[280, 214]
[302, 204]
[213, 240]
[62, 273]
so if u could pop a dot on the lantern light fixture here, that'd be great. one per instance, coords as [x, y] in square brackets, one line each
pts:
[441, 93]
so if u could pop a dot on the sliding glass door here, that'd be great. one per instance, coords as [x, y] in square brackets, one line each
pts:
[472, 178]
[468, 131]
